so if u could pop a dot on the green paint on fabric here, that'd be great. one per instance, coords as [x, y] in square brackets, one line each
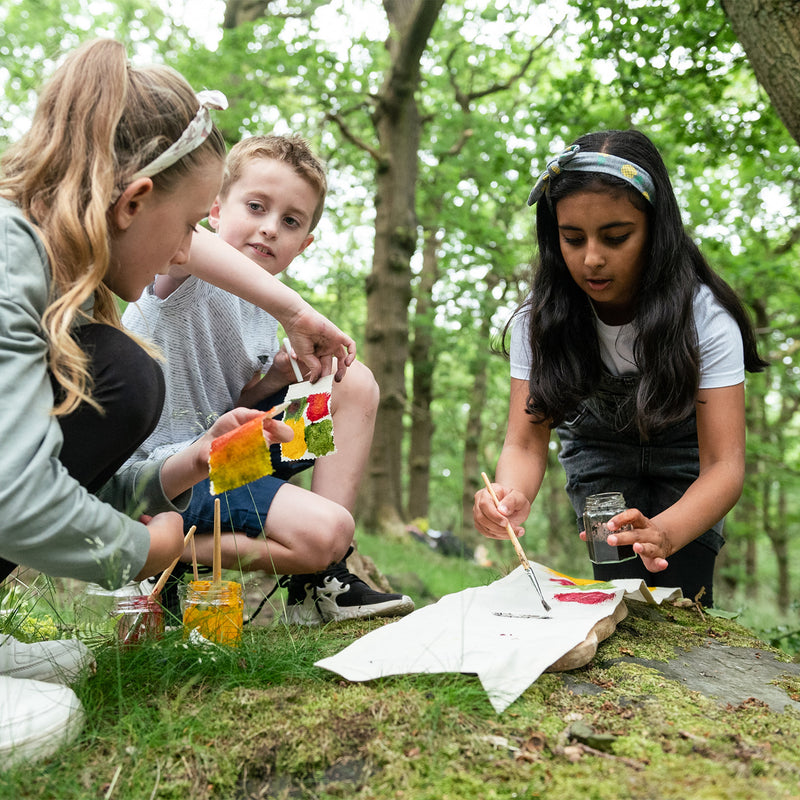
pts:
[296, 408]
[319, 438]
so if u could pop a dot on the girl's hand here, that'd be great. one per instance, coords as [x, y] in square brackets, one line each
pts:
[166, 542]
[316, 341]
[182, 470]
[274, 431]
[649, 541]
[491, 522]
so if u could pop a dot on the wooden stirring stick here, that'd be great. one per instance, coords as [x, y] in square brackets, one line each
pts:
[194, 561]
[157, 589]
[517, 546]
[217, 563]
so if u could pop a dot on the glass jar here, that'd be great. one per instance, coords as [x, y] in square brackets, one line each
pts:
[138, 618]
[599, 509]
[94, 609]
[215, 612]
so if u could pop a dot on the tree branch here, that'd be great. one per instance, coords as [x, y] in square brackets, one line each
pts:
[238, 12]
[352, 138]
[465, 98]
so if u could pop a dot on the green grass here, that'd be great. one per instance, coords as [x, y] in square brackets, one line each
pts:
[424, 574]
[168, 720]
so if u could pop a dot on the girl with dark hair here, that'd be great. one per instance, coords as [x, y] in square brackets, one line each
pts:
[634, 351]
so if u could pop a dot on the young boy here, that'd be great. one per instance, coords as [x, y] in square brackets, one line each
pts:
[222, 352]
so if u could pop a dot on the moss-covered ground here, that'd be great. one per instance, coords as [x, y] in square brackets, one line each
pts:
[166, 720]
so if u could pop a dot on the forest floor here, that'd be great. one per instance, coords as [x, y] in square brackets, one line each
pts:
[674, 704]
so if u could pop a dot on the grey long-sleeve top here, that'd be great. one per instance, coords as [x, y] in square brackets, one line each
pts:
[48, 521]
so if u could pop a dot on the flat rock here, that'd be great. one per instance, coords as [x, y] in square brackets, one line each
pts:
[731, 675]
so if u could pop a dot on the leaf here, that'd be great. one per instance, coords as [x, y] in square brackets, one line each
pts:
[718, 612]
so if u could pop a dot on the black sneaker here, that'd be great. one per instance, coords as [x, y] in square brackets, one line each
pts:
[301, 607]
[341, 595]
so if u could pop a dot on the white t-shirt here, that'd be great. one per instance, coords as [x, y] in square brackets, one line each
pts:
[213, 343]
[719, 337]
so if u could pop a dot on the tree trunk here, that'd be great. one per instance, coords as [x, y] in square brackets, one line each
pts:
[769, 31]
[473, 434]
[781, 547]
[397, 124]
[423, 363]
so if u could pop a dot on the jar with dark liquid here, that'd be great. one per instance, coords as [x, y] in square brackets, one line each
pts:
[599, 509]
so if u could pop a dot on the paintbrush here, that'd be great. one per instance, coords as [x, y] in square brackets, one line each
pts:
[293, 361]
[195, 573]
[216, 568]
[517, 546]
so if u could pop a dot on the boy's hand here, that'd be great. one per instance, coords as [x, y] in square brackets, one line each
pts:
[278, 376]
[282, 369]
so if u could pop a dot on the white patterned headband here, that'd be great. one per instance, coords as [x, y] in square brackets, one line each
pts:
[573, 160]
[195, 134]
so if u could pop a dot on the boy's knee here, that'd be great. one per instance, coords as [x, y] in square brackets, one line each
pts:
[359, 387]
[343, 529]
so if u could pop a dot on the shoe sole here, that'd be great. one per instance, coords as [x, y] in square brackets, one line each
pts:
[392, 608]
[295, 615]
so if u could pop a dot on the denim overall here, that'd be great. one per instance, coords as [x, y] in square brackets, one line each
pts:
[602, 451]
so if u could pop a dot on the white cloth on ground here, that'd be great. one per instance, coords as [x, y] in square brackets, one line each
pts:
[495, 631]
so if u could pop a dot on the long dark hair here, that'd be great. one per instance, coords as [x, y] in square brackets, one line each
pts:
[566, 355]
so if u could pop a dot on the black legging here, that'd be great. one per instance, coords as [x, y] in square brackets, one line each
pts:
[129, 386]
[691, 567]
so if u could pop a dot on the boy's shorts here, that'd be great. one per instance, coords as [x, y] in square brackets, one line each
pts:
[244, 509]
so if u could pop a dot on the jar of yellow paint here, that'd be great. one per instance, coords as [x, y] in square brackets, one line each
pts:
[215, 611]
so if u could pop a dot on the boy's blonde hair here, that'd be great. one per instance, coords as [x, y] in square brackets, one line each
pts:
[97, 122]
[291, 150]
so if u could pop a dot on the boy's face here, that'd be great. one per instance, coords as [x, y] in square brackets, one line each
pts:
[266, 214]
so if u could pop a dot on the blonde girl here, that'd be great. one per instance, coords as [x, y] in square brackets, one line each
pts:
[104, 191]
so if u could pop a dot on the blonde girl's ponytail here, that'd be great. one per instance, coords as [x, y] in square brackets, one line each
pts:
[61, 175]
[98, 120]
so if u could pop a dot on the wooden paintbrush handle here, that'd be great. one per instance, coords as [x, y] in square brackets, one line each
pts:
[517, 547]
[168, 571]
[217, 562]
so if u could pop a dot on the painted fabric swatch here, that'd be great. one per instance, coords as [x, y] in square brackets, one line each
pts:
[309, 416]
[239, 456]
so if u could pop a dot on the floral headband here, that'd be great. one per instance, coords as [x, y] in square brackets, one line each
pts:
[195, 134]
[573, 159]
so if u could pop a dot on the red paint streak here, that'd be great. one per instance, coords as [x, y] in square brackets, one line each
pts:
[563, 581]
[587, 598]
